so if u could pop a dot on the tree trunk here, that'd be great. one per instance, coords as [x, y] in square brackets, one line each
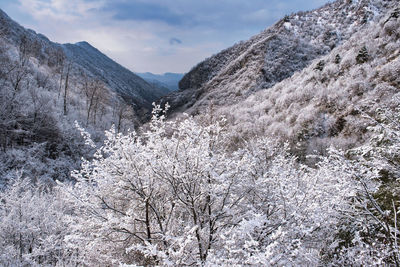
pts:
[119, 120]
[66, 88]
[148, 230]
[61, 77]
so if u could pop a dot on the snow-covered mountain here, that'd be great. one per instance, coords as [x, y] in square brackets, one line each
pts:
[273, 55]
[125, 83]
[45, 87]
[121, 80]
[168, 79]
[335, 99]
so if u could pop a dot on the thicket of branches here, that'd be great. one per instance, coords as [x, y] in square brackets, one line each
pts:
[178, 195]
[41, 95]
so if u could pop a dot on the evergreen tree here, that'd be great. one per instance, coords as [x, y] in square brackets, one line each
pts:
[362, 55]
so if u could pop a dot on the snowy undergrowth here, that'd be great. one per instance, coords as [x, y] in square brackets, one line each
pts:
[178, 195]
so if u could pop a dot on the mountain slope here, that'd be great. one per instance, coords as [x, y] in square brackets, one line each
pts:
[45, 88]
[127, 84]
[95, 64]
[273, 55]
[335, 99]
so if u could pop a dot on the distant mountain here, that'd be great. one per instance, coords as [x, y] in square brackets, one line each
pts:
[46, 87]
[168, 80]
[121, 80]
[273, 55]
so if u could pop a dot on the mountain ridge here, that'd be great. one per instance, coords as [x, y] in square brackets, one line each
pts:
[124, 82]
[169, 80]
[275, 54]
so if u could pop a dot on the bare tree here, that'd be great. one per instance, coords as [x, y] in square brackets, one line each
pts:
[6, 65]
[39, 102]
[60, 63]
[19, 71]
[96, 97]
[123, 112]
[69, 65]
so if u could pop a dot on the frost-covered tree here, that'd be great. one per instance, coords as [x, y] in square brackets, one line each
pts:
[381, 207]
[32, 225]
[159, 198]
[298, 213]
[176, 196]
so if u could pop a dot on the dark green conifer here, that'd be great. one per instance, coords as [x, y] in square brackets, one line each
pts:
[320, 66]
[362, 56]
[337, 59]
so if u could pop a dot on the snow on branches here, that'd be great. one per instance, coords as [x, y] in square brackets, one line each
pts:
[177, 194]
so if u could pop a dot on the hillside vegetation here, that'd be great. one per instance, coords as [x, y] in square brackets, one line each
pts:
[289, 156]
[273, 55]
[335, 99]
[45, 87]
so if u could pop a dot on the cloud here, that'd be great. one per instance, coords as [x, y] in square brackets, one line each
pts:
[174, 41]
[145, 11]
[66, 10]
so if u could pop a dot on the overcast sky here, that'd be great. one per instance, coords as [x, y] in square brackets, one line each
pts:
[153, 35]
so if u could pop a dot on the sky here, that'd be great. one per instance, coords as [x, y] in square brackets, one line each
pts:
[153, 35]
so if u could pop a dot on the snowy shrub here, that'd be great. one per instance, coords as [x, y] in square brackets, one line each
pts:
[176, 196]
[32, 225]
[176, 191]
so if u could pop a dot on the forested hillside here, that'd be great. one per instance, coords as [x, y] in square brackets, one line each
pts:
[273, 55]
[45, 87]
[125, 83]
[334, 100]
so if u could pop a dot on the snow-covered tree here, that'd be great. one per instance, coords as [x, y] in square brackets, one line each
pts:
[32, 225]
[176, 196]
[159, 198]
